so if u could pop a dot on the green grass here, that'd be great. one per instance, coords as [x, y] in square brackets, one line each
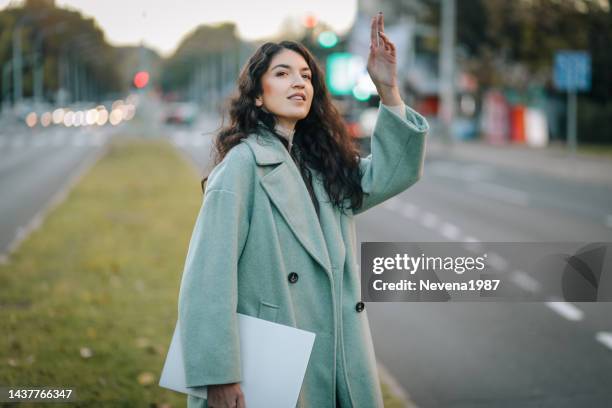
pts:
[102, 275]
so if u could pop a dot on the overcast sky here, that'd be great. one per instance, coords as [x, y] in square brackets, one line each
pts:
[162, 24]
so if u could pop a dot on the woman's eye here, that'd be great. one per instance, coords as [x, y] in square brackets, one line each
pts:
[307, 77]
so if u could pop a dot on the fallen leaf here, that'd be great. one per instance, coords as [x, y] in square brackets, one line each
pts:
[86, 352]
[146, 378]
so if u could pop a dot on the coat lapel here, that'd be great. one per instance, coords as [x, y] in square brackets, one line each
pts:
[284, 186]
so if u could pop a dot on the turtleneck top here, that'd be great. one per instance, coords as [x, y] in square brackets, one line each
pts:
[286, 134]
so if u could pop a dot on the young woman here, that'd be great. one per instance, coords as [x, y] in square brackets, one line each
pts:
[275, 236]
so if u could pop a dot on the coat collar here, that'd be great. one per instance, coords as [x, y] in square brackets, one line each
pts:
[286, 189]
[266, 147]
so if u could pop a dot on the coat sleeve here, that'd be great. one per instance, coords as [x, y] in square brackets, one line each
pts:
[397, 155]
[208, 295]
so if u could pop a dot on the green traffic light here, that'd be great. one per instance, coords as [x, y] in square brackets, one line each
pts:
[328, 39]
[361, 94]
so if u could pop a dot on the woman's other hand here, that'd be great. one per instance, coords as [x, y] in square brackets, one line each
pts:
[382, 63]
[225, 396]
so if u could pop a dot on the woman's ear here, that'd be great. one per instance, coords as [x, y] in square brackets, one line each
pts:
[258, 101]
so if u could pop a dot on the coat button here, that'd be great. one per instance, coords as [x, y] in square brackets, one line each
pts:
[293, 277]
[359, 306]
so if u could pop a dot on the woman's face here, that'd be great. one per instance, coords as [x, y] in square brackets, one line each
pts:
[287, 88]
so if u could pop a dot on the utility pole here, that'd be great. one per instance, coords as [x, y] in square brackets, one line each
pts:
[447, 67]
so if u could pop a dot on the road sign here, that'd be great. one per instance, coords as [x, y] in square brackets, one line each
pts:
[572, 71]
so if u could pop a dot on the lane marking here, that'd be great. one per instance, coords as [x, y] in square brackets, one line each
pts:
[450, 231]
[497, 261]
[392, 204]
[429, 220]
[474, 246]
[524, 281]
[409, 211]
[605, 338]
[566, 310]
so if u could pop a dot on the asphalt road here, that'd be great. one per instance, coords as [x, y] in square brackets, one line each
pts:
[34, 167]
[546, 354]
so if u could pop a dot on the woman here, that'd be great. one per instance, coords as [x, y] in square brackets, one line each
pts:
[275, 236]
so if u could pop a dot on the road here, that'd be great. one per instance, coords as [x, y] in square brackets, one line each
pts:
[494, 354]
[34, 166]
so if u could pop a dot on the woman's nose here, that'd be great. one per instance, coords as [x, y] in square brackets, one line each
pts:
[299, 81]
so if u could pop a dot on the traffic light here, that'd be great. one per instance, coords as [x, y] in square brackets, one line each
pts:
[141, 79]
[328, 39]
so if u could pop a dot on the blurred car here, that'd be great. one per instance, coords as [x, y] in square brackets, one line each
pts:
[181, 113]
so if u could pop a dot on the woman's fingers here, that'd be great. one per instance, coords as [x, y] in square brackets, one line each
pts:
[373, 32]
[381, 22]
[387, 41]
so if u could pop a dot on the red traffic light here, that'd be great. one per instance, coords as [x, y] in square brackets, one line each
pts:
[141, 79]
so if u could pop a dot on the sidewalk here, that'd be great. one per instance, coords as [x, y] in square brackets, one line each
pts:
[553, 161]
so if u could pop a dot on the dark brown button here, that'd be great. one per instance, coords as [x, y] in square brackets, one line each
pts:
[293, 277]
[359, 306]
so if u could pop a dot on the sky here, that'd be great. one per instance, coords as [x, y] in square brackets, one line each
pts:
[161, 24]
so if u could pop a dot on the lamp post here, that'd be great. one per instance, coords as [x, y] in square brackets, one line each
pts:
[17, 59]
[39, 60]
[447, 66]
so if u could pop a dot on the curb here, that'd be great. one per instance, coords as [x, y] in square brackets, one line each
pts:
[396, 389]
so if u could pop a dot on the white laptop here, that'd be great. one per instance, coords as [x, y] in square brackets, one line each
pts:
[274, 359]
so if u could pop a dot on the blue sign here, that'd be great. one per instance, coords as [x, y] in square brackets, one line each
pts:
[572, 71]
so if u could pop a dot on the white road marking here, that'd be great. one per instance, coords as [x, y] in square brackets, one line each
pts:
[497, 261]
[566, 310]
[429, 220]
[472, 239]
[605, 338]
[392, 204]
[474, 246]
[505, 194]
[524, 281]
[450, 231]
[409, 210]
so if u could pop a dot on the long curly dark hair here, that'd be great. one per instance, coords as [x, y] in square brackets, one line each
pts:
[321, 137]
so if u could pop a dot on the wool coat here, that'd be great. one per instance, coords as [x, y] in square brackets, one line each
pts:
[258, 248]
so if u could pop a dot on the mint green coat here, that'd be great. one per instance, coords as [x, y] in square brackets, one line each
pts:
[257, 225]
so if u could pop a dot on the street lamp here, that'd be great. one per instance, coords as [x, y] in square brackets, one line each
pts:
[39, 61]
[17, 62]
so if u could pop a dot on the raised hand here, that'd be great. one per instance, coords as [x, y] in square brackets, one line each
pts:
[382, 61]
